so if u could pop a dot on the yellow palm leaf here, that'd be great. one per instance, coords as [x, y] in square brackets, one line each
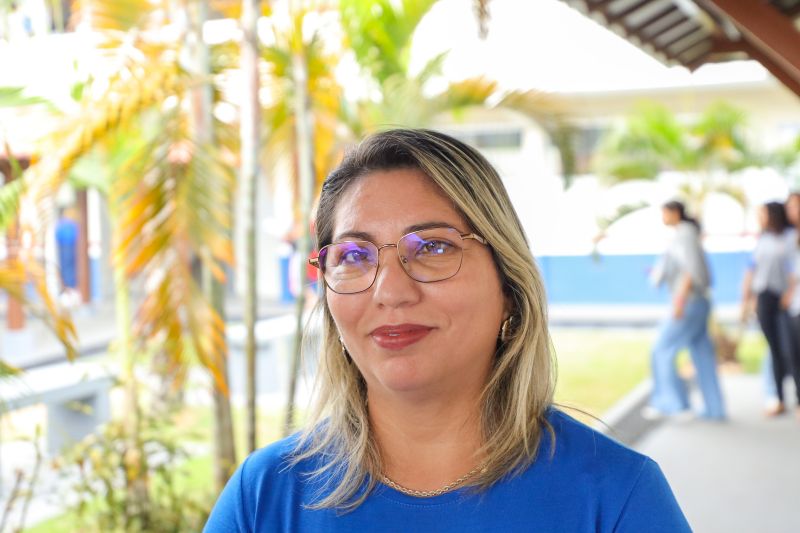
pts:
[111, 15]
[15, 274]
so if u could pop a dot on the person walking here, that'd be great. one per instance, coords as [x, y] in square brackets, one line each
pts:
[684, 269]
[67, 231]
[792, 208]
[767, 287]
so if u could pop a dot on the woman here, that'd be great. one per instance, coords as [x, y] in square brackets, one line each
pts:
[768, 286]
[683, 268]
[435, 386]
[792, 209]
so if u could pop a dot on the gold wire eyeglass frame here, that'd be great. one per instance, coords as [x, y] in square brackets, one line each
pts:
[314, 261]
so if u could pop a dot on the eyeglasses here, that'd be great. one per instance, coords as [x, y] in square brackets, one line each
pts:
[426, 256]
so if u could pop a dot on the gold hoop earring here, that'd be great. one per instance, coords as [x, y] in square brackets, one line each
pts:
[504, 329]
[345, 353]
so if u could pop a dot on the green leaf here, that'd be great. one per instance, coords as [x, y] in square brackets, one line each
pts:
[15, 97]
[112, 15]
[380, 32]
[10, 194]
[7, 370]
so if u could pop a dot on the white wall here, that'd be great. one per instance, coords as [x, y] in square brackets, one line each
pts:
[564, 222]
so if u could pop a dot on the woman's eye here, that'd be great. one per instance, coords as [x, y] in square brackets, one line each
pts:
[434, 248]
[353, 257]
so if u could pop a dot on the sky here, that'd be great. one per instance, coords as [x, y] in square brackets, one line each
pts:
[547, 45]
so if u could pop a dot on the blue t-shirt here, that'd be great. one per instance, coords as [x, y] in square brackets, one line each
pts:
[591, 483]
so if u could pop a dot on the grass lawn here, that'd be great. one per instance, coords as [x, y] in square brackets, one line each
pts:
[596, 368]
[752, 349]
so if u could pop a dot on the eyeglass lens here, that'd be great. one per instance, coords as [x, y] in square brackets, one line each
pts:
[426, 256]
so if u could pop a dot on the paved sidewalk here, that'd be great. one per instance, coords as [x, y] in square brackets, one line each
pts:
[737, 476]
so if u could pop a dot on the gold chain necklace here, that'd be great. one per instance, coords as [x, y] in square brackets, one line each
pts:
[435, 492]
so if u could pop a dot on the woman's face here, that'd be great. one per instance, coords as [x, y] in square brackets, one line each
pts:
[763, 218]
[407, 336]
[670, 216]
[793, 209]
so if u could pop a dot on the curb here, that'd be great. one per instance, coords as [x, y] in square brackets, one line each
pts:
[624, 421]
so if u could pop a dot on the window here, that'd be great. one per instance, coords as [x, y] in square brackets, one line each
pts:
[492, 140]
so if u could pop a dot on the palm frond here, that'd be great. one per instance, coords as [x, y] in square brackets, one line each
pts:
[403, 104]
[549, 111]
[10, 194]
[7, 370]
[720, 137]
[619, 213]
[11, 191]
[562, 134]
[111, 15]
[128, 95]
[650, 140]
[15, 97]
[733, 191]
[171, 200]
[380, 31]
[324, 93]
[15, 275]
[542, 106]
[466, 93]
[785, 157]
[432, 68]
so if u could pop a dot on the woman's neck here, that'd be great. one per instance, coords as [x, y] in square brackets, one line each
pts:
[426, 444]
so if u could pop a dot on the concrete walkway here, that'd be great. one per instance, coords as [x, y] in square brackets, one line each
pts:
[738, 476]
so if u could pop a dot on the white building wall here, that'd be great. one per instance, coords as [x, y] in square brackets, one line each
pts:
[565, 222]
[529, 172]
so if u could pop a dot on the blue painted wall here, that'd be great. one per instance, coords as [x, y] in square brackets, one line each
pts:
[623, 279]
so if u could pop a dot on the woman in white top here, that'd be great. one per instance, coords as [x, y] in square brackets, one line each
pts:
[683, 268]
[767, 287]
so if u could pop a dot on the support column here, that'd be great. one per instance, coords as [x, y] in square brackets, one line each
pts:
[82, 251]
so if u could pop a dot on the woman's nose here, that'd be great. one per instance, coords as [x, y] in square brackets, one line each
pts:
[393, 286]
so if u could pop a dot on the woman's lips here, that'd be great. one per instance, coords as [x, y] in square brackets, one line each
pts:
[399, 336]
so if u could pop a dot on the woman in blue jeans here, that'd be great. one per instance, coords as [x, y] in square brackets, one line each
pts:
[684, 269]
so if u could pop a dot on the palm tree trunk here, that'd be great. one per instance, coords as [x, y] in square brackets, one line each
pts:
[305, 143]
[6, 28]
[58, 15]
[225, 448]
[249, 172]
[203, 131]
[135, 459]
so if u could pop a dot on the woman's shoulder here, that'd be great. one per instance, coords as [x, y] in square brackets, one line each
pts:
[586, 467]
[687, 230]
[255, 492]
[770, 238]
[590, 451]
[275, 458]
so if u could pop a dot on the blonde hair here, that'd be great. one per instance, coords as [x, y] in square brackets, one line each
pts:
[520, 388]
